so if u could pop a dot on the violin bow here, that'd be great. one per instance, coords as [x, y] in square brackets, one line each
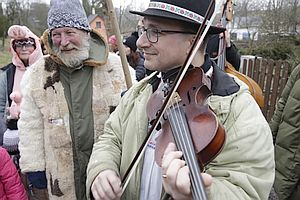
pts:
[202, 31]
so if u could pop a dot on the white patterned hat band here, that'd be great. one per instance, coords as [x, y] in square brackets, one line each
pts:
[176, 10]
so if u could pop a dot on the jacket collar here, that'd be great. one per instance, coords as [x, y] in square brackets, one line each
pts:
[222, 83]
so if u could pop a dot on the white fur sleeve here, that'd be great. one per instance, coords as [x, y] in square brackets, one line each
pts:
[31, 129]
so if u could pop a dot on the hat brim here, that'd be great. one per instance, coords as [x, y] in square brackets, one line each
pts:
[168, 15]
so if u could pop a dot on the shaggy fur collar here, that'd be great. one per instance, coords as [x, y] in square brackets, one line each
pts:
[51, 66]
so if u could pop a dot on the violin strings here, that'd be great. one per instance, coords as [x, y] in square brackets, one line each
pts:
[182, 137]
[181, 145]
[185, 143]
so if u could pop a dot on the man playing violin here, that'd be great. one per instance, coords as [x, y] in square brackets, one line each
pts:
[244, 169]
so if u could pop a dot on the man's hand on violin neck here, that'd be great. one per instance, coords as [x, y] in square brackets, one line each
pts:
[176, 178]
[107, 186]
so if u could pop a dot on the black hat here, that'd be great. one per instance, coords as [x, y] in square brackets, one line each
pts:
[191, 11]
[131, 42]
[135, 34]
[212, 47]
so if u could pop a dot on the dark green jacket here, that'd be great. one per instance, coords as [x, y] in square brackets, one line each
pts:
[285, 126]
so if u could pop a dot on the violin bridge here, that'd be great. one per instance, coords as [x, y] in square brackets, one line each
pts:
[175, 99]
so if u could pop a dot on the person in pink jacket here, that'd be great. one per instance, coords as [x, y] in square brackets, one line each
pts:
[11, 187]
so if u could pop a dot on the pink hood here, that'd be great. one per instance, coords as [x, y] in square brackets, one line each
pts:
[16, 32]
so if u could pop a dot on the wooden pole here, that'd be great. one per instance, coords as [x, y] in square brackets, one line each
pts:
[116, 30]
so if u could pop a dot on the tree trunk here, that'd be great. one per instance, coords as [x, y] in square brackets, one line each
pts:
[116, 29]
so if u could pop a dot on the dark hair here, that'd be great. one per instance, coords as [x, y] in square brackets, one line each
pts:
[135, 34]
[131, 42]
[134, 58]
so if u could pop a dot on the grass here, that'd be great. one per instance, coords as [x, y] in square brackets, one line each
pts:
[297, 53]
[5, 55]
[5, 58]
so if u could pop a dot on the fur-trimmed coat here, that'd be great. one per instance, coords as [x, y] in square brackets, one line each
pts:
[45, 139]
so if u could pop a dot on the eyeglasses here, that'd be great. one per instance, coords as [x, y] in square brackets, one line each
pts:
[153, 33]
[20, 46]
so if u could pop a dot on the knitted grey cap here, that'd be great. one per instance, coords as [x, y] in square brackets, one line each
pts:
[11, 140]
[67, 13]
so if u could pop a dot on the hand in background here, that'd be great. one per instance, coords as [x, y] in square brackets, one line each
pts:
[14, 109]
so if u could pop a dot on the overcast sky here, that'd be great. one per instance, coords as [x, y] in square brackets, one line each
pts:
[116, 3]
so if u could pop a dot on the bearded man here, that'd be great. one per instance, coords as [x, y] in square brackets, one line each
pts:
[67, 96]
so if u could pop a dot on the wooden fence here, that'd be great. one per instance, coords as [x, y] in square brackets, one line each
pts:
[270, 75]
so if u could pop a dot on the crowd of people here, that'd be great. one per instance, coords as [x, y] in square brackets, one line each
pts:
[69, 131]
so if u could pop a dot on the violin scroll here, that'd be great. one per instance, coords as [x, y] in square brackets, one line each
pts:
[229, 10]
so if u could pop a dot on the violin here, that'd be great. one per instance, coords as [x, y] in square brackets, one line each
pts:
[254, 88]
[190, 124]
[188, 115]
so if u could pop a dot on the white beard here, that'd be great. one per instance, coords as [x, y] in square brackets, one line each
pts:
[80, 54]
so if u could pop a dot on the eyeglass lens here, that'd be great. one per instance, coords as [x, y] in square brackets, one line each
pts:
[152, 34]
[24, 45]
